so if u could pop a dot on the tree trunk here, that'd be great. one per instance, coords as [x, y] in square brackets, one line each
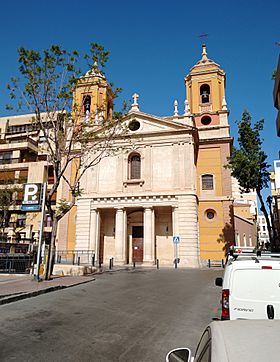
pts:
[263, 209]
[51, 254]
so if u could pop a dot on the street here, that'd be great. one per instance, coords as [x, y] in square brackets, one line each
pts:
[136, 315]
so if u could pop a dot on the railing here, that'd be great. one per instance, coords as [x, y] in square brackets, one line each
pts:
[10, 161]
[7, 161]
[19, 247]
[21, 140]
[14, 181]
[75, 257]
[19, 264]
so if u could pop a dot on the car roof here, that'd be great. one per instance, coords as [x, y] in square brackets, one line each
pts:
[252, 260]
[245, 340]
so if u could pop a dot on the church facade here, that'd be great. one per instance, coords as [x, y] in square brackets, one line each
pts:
[165, 194]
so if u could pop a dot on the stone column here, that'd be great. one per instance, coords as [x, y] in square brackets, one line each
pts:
[175, 221]
[120, 236]
[148, 236]
[93, 230]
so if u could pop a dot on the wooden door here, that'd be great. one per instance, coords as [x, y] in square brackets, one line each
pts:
[137, 244]
[101, 248]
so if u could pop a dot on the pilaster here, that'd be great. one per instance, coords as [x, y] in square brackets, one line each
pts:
[148, 235]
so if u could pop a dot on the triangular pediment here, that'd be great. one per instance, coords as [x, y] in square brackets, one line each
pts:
[146, 123]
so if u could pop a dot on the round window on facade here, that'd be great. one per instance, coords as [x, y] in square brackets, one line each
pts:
[210, 214]
[134, 125]
[206, 120]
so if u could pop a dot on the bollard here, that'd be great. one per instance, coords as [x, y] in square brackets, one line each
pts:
[73, 261]
[209, 263]
[110, 264]
[157, 263]
[93, 260]
[79, 260]
[134, 265]
[176, 262]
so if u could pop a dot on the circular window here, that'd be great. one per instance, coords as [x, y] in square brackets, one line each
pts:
[206, 120]
[134, 125]
[210, 214]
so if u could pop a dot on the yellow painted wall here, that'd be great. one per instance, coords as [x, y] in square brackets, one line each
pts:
[243, 211]
[100, 93]
[71, 233]
[209, 231]
[209, 161]
[215, 79]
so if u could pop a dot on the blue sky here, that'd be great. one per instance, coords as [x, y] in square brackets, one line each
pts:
[153, 44]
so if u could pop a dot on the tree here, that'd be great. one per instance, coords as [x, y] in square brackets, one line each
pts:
[248, 162]
[46, 86]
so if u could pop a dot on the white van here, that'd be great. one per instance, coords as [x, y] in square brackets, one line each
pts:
[251, 288]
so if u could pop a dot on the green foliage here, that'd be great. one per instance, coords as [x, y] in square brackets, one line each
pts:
[45, 87]
[63, 206]
[248, 162]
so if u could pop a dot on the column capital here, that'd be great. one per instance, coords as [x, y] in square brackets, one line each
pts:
[148, 208]
[118, 209]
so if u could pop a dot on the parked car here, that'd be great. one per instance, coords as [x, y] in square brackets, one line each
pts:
[234, 341]
[251, 287]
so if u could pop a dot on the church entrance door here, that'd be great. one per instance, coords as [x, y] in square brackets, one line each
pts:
[137, 244]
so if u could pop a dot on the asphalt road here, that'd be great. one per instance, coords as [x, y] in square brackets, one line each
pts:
[135, 316]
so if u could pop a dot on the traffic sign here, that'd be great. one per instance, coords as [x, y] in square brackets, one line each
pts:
[30, 207]
[176, 239]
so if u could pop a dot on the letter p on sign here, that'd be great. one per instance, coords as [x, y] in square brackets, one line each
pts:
[32, 193]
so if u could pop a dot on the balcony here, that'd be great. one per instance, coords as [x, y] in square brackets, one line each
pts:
[16, 181]
[8, 161]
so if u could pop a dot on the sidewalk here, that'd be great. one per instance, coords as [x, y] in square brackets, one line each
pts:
[17, 287]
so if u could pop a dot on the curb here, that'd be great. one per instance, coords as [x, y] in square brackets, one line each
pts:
[20, 296]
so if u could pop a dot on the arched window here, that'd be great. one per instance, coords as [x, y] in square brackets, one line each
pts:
[86, 103]
[207, 182]
[205, 93]
[134, 166]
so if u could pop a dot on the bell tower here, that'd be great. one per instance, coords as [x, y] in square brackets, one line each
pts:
[205, 89]
[93, 97]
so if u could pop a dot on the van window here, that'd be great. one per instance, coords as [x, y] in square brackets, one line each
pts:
[258, 284]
